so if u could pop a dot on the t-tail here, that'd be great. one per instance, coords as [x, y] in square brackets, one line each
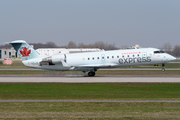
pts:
[24, 50]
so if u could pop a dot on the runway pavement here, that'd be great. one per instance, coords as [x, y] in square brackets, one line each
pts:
[104, 69]
[76, 79]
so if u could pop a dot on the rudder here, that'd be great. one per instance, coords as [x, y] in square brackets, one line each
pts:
[24, 50]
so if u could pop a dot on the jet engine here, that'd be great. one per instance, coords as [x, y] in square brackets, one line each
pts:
[52, 60]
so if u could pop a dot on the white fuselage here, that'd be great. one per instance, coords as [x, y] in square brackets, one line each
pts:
[95, 60]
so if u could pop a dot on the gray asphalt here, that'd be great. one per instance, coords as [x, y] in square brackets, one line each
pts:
[141, 69]
[76, 79]
[145, 101]
[105, 69]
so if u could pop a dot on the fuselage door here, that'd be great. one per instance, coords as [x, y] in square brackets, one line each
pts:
[144, 57]
[103, 57]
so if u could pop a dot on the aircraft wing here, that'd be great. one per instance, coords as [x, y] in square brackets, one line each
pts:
[90, 67]
[96, 65]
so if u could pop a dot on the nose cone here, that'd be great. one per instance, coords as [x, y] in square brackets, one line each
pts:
[172, 58]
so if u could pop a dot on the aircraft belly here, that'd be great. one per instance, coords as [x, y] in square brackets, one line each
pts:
[55, 67]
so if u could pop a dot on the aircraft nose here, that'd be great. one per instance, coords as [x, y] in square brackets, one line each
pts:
[172, 58]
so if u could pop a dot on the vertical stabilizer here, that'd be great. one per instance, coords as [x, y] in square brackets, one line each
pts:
[24, 50]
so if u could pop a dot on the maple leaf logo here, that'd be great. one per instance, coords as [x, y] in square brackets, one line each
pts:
[25, 52]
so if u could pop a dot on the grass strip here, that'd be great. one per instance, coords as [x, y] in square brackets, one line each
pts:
[16, 65]
[98, 73]
[96, 91]
[71, 111]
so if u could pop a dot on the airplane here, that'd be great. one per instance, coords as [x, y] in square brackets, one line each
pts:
[90, 61]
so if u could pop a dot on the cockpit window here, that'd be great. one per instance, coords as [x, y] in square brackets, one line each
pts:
[161, 51]
[155, 52]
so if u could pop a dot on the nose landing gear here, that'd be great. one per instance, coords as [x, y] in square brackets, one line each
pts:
[163, 69]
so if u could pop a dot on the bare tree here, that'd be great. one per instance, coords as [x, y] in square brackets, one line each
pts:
[6, 46]
[46, 45]
[100, 45]
[72, 44]
[81, 45]
[167, 48]
[176, 51]
[51, 45]
[110, 47]
[124, 47]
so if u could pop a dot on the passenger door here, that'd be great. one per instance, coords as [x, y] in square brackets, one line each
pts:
[144, 57]
[103, 57]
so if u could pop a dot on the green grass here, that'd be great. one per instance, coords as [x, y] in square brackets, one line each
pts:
[100, 111]
[98, 73]
[16, 65]
[112, 91]
[90, 110]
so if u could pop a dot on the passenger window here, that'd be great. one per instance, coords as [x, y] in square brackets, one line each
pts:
[97, 57]
[107, 57]
[88, 58]
[123, 56]
[117, 56]
[112, 56]
[93, 58]
[128, 55]
[133, 55]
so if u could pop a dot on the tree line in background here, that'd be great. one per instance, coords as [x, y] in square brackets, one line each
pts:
[167, 47]
[71, 44]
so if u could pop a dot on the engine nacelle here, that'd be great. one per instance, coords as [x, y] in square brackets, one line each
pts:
[55, 59]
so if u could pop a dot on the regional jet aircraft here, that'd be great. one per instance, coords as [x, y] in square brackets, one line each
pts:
[90, 62]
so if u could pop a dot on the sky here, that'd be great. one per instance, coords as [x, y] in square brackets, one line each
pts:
[149, 23]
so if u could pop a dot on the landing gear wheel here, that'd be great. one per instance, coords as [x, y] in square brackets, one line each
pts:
[90, 74]
[162, 69]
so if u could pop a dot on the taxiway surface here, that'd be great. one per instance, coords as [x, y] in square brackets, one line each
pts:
[90, 79]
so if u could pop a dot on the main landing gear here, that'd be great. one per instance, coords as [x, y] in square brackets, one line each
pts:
[163, 69]
[91, 74]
